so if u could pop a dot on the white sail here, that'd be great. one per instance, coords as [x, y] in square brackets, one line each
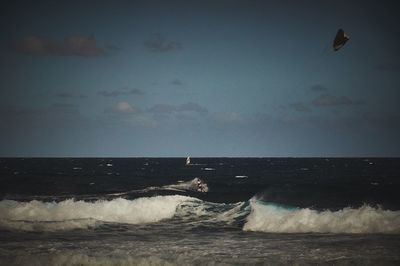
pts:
[187, 160]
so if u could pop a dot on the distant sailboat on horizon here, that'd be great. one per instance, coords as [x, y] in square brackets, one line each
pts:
[188, 160]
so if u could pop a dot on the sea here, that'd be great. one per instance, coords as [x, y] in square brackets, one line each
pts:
[212, 211]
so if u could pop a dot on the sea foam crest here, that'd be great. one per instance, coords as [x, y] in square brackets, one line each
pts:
[366, 219]
[70, 214]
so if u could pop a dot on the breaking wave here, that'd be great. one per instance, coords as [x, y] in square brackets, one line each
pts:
[277, 219]
[70, 214]
[252, 215]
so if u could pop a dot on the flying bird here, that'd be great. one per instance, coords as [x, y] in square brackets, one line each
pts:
[340, 39]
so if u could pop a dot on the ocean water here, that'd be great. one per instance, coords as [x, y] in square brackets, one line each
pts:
[215, 211]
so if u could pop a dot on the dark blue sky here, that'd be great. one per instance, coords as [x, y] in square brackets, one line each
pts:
[199, 78]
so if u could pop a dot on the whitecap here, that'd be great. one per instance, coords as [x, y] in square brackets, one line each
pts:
[276, 219]
[70, 214]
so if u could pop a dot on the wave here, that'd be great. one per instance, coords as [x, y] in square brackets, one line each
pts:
[207, 212]
[195, 185]
[272, 218]
[252, 215]
[70, 214]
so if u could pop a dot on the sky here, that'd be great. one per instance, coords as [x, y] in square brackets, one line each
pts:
[199, 78]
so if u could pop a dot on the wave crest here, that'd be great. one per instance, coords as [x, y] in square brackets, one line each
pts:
[71, 214]
[256, 216]
[275, 219]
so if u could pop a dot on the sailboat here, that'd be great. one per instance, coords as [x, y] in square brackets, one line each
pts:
[188, 161]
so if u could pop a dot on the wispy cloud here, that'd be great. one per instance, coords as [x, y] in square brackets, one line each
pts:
[189, 107]
[125, 114]
[192, 107]
[74, 45]
[177, 82]
[120, 92]
[227, 117]
[158, 43]
[324, 99]
[331, 100]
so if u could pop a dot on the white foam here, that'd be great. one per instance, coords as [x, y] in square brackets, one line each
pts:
[366, 219]
[49, 225]
[68, 258]
[71, 214]
[195, 184]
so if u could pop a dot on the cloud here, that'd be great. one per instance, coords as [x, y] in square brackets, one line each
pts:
[123, 114]
[74, 45]
[318, 88]
[188, 107]
[158, 43]
[120, 92]
[323, 100]
[331, 100]
[388, 67]
[300, 107]
[123, 108]
[192, 107]
[227, 117]
[184, 112]
[177, 82]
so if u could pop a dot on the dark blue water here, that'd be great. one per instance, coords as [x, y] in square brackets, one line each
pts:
[215, 211]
